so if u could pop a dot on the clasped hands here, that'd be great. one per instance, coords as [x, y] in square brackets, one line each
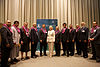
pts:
[91, 39]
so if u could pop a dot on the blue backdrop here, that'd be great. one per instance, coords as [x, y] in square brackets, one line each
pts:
[47, 22]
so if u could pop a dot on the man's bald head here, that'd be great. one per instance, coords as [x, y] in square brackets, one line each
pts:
[94, 24]
[77, 25]
[34, 25]
[25, 24]
[8, 23]
[43, 25]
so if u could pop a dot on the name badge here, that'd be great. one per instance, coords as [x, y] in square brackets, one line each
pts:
[94, 30]
[27, 34]
[83, 30]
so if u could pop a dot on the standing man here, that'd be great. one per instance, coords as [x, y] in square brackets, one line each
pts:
[93, 30]
[65, 40]
[43, 39]
[24, 31]
[34, 40]
[77, 38]
[6, 44]
[57, 41]
[71, 39]
[96, 39]
[93, 42]
[16, 37]
[84, 39]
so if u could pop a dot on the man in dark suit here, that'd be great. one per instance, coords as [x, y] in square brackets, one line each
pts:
[43, 39]
[65, 39]
[71, 39]
[57, 41]
[24, 40]
[34, 40]
[92, 31]
[6, 44]
[95, 37]
[78, 44]
[84, 39]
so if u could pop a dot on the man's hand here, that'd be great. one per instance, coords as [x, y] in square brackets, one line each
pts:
[79, 40]
[22, 42]
[85, 41]
[40, 40]
[60, 43]
[8, 45]
[67, 40]
[32, 42]
[72, 40]
[91, 39]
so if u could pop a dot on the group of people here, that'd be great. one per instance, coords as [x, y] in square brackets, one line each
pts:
[15, 40]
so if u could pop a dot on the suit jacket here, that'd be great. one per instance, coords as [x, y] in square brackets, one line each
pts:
[0, 39]
[96, 36]
[72, 35]
[23, 36]
[34, 36]
[58, 37]
[91, 34]
[6, 36]
[42, 36]
[77, 37]
[84, 34]
[65, 35]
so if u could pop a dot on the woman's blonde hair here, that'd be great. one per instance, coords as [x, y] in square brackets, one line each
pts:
[51, 27]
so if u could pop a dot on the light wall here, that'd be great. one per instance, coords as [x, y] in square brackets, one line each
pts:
[69, 11]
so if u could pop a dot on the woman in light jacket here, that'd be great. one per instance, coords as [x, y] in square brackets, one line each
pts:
[51, 40]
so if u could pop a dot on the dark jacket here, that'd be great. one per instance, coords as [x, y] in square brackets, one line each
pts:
[96, 36]
[77, 37]
[65, 35]
[58, 37]
[34, 36]
[84, 34]
[6, 36]
[24, 37]
[42, 36]
[72, 35]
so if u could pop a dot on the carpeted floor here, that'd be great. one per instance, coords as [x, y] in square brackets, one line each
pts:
[63, 61]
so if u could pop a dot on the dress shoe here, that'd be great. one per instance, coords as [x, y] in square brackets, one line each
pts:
[41, 55]
[98, 60]
[71, 54]
[16, 60]
[45, 54]
[27, 58]
[67, 55]
[63, 54]
[34, 57]
[92, 58]
[85, 56]
[22, 59]
[12, 62]
[55, 55]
